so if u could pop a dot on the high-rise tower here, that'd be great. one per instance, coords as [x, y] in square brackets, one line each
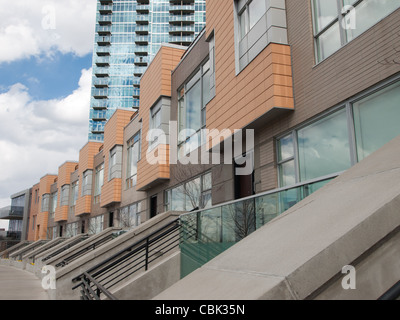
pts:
[128, 35]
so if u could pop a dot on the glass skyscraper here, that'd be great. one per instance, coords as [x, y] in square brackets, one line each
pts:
[128, 36]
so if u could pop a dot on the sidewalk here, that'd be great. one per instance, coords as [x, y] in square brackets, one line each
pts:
[16, 284]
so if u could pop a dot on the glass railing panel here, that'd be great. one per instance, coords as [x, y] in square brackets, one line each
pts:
[207, 233]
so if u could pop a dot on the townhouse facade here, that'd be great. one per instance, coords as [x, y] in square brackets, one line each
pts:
[317, 91]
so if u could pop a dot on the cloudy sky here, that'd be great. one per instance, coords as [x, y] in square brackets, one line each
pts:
[45, 75]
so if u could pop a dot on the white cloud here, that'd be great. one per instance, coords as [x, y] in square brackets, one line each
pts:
[44, 27]
[36, 136]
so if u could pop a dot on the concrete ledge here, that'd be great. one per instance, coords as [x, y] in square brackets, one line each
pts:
[66, 274]
[298, 254]
[18, 246]
[29, 248]
[92, 239]
[30, 256]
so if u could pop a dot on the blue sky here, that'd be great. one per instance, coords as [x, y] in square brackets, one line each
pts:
[45, 80]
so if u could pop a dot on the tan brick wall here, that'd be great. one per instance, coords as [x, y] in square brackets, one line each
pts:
[86, 162]
[42, 217]
[64, 177]
[156, 82]
[114, 135]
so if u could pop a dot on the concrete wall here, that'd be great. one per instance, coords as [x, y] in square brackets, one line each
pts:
[154, 281]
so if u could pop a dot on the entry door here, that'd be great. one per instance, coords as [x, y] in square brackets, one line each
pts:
[153, 206]
[244, 184]
[111, 220]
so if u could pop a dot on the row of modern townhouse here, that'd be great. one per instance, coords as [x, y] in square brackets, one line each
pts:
[317, 93]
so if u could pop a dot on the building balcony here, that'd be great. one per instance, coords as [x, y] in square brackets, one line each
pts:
[142, 29]
[184, 19]
[175, 9]
[101, 82]
[181, 39]
[138, 72]
[136, 94]
[105, 9]
[103, 61]
[136, 82]
[105, 19]
[185, 29]
[103, 41]
[100, 93]
[101, 72]
[142, 50]
[104, 2]
[97, 127]
[98, 115]
[142, 39]
[103, 30]
[141, 61]
[142, 19]
[100, 104]
[103, 51]
[142, 8]
[12, 213]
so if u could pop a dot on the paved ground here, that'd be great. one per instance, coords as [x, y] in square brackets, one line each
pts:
[16, 284]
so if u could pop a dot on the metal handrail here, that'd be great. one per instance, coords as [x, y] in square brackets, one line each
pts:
[88, 293]
[83, 251]
[64, 248]
[392, 294]
[127, 261]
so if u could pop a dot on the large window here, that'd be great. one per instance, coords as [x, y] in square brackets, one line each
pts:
[99, 179]
[96, 224]
[324, 147]
[132, 159]
[377, 120]
[337, 22]
[130, 216]
[193, 97]
[74, 197]
[249, 14]
[53, 204]
[336, 141]
[71, 230]
[45, 203]
[193, 194]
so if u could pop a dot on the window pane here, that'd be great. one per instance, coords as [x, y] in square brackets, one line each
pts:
[207, 185]
[178, 199]
[325, 11]
[287, 175]
[193, 193]
[256, 11]
[368, 13]
[329, 42]
[377, 119]
[243, 24]
[206, 201]
[324, 147]
[193, 107]
[182, 114]
[206, 88]
[285, 148]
